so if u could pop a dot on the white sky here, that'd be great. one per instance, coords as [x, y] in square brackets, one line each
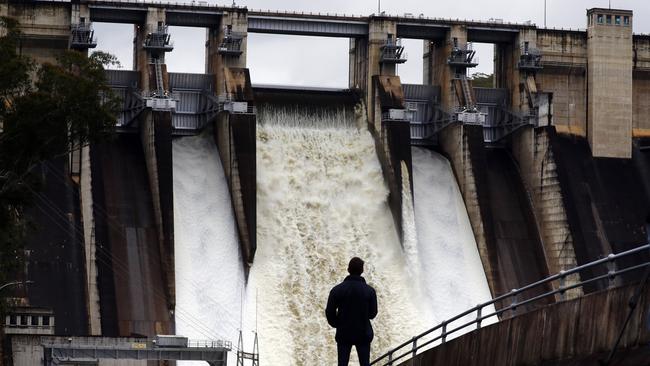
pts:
[299, 60]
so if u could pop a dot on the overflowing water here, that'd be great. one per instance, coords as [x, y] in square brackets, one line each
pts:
[209, 272]
[452, 273]
[321, 199]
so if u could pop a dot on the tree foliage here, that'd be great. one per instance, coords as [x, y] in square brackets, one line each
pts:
[482, 80]
[45, 111]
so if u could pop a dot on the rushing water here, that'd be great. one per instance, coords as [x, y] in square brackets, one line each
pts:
[452, 273]
[321, 199]
[209, 273]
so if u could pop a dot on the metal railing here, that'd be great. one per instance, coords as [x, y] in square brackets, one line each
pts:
[210, 344]
[82, 36]
[123, 343]
[413, 345]
[393, 51]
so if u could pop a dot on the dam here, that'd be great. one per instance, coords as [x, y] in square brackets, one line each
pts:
[224, 211]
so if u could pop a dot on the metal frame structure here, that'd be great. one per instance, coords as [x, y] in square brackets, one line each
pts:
[530, 59]
[490, 110]
[440, 333]
[392, 52]
[82, 36]
[462, 57]
[194, 102]
[90, 350]
[231, 43]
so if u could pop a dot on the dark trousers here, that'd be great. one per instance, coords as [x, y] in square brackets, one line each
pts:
[363, 351]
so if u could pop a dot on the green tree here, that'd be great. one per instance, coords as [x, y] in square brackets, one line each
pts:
[482, 80]
[45, 112]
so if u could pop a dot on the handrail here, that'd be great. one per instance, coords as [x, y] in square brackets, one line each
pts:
[390, 357]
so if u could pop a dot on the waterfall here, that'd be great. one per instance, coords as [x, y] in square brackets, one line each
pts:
[209, 273]
[453, 277]
[322, 199]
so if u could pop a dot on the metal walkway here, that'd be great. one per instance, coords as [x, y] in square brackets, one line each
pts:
[195, 103]
[427, 118]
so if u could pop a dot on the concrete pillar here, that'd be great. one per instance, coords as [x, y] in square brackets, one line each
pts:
[358, 73]
[88, 221]
[156, 135]
[141, 56]
[234, 134]
[523, 95]
[440, 72]
[79, 13]
[428, 62]
[219, 55]
[379, 31]
[520, 82]
[609, 86]
[393, 141]
[531, 148]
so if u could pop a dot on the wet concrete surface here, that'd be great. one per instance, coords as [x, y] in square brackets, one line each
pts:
[519, 252]
[131, 284]
[606, 202]
[54, 249]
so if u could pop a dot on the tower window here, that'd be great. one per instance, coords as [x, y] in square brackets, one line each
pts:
[609, 19]
[617, 20]
[626, 20]
[600, 19]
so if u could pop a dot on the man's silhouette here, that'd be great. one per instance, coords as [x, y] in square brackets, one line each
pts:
[350, 306]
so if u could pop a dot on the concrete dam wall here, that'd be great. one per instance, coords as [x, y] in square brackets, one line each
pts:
[221, 206]
[130, 272]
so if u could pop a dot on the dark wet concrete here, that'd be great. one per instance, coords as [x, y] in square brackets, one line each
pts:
[131, 283]
[54, 247]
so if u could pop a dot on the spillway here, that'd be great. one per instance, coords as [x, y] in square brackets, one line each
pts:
[209, 273]
[321, 199]
[453, 278]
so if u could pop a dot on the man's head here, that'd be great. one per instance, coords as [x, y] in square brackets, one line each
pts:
[356, 266]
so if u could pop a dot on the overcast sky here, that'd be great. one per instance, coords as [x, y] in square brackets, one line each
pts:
[299, 60]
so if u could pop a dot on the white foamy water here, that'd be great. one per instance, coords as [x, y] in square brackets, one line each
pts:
[209, 272]
[452, 273]
[321, 199]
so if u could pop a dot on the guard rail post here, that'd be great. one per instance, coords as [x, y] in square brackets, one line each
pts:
[415, 347]
[611, 270]
[562, 285]
[444, 332]
[515, 300]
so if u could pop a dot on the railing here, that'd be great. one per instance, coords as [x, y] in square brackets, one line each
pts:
[393, 52]
[124, 343]
[82, 36]
[210, 344]
[412, 346]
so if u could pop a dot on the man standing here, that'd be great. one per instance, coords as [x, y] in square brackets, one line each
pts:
[350, 306]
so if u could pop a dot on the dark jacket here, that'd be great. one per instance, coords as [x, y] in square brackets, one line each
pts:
[350, 306]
